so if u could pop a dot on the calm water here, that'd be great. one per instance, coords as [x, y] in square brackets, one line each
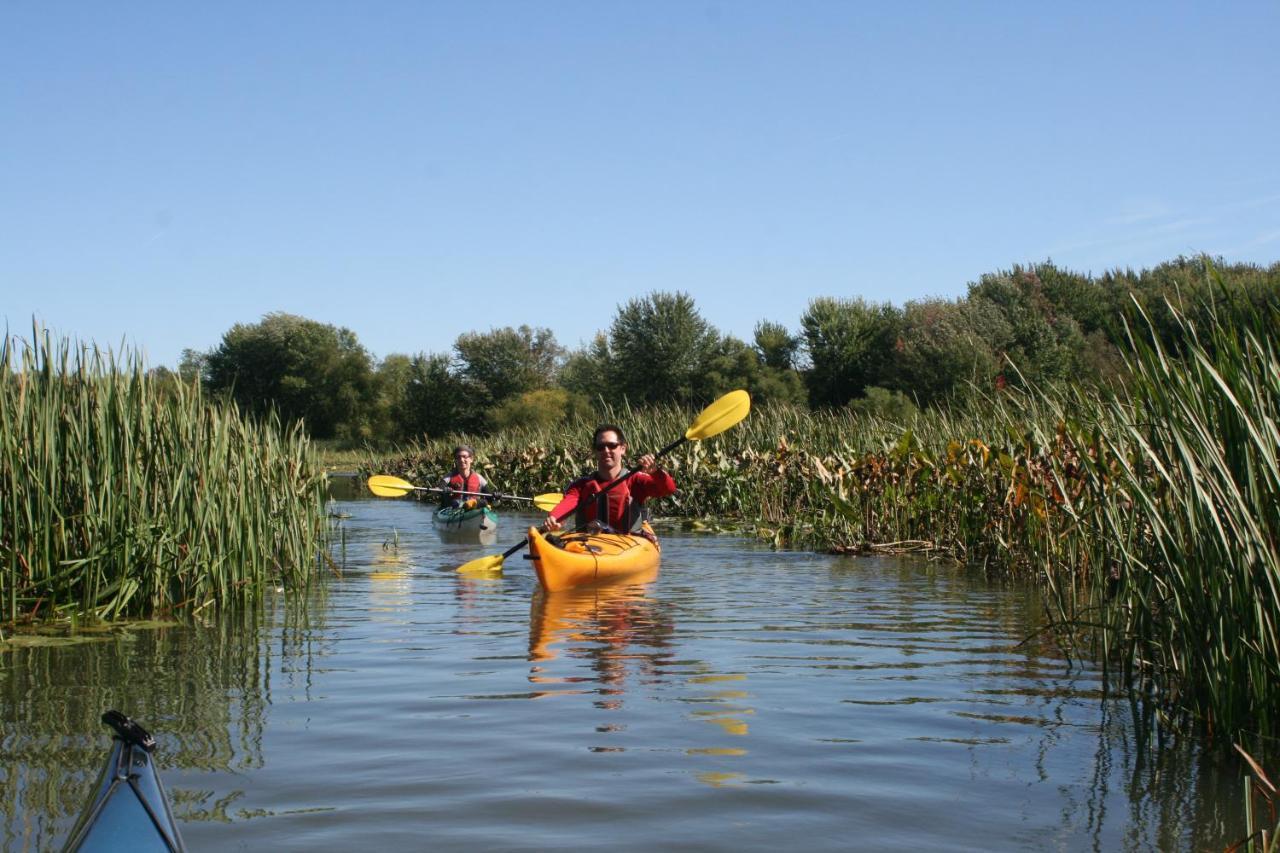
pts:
[745, 700]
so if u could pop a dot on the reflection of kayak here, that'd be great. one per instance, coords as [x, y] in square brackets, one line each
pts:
[129, 809]
[586, 559]
[480, 518]
[588, 613]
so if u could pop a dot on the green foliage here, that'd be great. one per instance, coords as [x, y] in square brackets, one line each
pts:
[436, 401]
[1194, 602]
[886, 404]
[1030, 326]
[193, 365]
[586, 371]
[734, 365]
[503, 363]
[304, 370]
[124, 492]
[1043, 344]
[851, 345]
[659, 345]
[776, 346]
[1183, 287]
[539, 410]
[391, 380]
[944, 347]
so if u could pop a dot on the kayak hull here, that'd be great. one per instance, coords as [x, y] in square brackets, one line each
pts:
[592, 559]
[461, 519]
[129, 809]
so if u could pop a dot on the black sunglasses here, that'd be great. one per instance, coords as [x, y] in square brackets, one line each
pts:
[608, 445]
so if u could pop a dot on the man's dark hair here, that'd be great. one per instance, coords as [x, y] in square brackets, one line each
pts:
[602, 429]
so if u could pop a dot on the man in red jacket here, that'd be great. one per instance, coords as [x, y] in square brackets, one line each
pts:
[625, 501]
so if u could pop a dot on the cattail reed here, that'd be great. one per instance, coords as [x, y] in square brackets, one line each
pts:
[126, 494]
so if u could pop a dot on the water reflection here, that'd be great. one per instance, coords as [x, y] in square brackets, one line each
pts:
[203, 691]
[746, 696]
[618, 631]
[487, 537]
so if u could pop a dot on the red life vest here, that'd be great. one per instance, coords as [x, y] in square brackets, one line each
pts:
[621, 513]
[465, 484]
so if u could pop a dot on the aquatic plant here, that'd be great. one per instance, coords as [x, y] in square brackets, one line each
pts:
[124, 493]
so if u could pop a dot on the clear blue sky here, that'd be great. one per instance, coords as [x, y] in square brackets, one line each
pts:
[414, 170]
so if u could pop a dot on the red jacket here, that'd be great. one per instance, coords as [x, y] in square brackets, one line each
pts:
[625, 499]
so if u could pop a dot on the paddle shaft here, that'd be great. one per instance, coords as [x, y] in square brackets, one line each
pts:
[457, 492]
[627, 476]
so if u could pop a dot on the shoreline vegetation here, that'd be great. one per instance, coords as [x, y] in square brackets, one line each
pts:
[1148, 510]
[124, 493]
[1139, 486]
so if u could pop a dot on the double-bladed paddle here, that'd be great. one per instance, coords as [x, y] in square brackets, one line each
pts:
[386, 486]
[713, 420]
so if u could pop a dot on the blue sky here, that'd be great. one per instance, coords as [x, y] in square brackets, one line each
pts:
[416, 170]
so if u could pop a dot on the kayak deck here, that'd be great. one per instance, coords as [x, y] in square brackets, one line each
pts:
[589, 559]
[129, 809]
[482, 519]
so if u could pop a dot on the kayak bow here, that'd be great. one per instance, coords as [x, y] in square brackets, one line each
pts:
[480, 518]
[588, 559]
[129, 809]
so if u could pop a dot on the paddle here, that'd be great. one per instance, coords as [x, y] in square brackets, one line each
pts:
[386, 486]
[713, 420]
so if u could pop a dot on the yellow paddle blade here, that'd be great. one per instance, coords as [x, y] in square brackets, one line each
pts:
[386, 486]
[547, 501]
[720, 415]
[482, 566]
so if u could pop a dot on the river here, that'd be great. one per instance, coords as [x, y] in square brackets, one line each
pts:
[746, 699]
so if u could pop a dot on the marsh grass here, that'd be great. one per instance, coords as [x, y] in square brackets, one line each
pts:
[123, 495]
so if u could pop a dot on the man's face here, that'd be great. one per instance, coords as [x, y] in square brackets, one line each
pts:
[609, 450]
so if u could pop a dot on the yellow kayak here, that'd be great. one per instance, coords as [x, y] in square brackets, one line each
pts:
[589, 559]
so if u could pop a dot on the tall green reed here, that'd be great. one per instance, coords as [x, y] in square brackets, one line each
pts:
[121, 494]
[1193, 599]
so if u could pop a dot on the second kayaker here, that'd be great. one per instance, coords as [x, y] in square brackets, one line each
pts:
[621, 508]
[463, 479]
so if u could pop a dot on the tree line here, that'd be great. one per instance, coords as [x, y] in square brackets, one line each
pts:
[1026, 325]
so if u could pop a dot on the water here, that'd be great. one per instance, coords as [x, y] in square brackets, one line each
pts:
[745, 700]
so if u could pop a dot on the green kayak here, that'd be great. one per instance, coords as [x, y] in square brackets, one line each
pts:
[129, 809]
[481, 518]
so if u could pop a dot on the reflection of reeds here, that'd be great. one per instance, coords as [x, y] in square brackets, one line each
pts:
[202, 690]
[122, 494]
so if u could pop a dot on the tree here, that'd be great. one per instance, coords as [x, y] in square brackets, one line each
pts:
[540, 409]
[777, 346]
[193, 365]
[733, 365]
[392, 382]
[503, 363]
[851, 345]
[1042, 343]
[943, 347]
[659, 345]
[883, 403]
[586, 372]
[436, 401]
[306, 370]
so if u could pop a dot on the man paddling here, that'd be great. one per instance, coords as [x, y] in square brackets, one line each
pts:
[463, 479]
[621, 508]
